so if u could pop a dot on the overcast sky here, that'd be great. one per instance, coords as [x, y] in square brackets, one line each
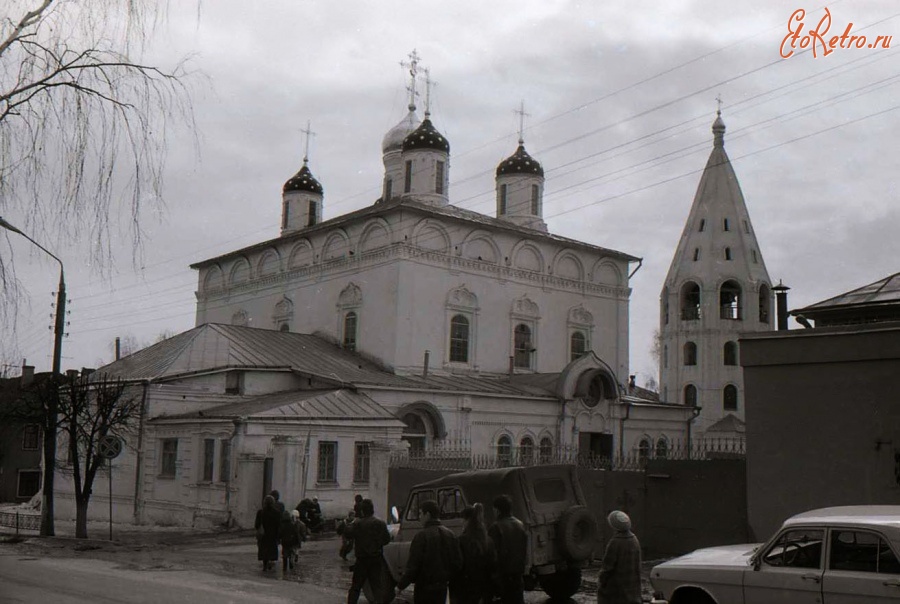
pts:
[621, 97]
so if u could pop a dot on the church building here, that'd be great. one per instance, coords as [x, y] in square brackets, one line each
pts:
[717, 287]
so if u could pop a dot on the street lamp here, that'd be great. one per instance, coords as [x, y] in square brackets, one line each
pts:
[52, 404]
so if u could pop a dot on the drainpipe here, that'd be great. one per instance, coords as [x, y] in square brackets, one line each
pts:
[139, 457]
[237, 423]
[622, 430]
[637, 268]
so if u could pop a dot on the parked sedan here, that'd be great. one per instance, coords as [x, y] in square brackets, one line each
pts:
[838, 555]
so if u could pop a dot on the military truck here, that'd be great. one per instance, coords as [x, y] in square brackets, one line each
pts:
[548, 500]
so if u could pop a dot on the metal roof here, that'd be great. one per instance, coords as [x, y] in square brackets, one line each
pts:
[409, 203]
[301, 405]
[882, 292]
[729, 423]
[217, 347]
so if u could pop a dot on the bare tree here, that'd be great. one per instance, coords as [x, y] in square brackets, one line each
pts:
[91, 408]
[83, 123]
[84, 126]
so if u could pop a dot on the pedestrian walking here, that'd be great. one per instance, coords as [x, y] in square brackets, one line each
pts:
[268, 520]
[473, 584]
[510, 544]
[434, 558]
[620, 573]
[346, 540]
[370, 535]
[292, 533]
[277, 497]
[357, 501]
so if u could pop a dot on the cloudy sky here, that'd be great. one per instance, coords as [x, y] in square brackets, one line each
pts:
[621, 97]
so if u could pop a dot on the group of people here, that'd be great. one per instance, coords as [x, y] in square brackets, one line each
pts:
[275, 525]
[482, 563]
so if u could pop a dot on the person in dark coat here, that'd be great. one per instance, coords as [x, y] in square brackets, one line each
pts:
[511, 546]
[268, 520]
[357, 501]
[434, 558]
[369, 535]
[620, 574]
[292, 533]
[346, 542]
[277, 497]
[473, 584]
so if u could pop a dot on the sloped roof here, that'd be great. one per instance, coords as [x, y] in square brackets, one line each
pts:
[410, 203]
[298, 405]
[214, 346]
[883, 292]
[729, 423]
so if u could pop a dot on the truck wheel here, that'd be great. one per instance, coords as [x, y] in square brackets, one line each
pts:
[388, 591]
[576, 533]
[562, 584]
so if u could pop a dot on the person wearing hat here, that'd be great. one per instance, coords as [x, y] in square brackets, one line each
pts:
[620, 574]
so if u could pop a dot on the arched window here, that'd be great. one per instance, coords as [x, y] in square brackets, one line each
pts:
[526, 452]
[690, 353]
[662, 448]
[730, 300]
[729, 398]
[459, 339]
[690, 395]
[350, 322]
[644, 448]
[764, 297]
[730, 353]
[414, 432]
[284, 327]
[577, 345]
[546, 450]
[690, 301]
[504, 451]
[522, 346]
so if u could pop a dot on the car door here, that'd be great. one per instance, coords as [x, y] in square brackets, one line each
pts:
[396, 553]
[789, 570]
[862, 568]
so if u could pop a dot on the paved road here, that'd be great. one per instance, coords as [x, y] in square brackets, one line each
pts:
[63, 580]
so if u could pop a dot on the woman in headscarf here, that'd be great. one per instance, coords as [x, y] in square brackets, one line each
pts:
[620, 574]
[268, 520]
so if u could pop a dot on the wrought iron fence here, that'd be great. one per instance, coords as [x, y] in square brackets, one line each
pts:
[21, 521]
[459, 456]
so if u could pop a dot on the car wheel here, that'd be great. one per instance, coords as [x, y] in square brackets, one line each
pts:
[388, 585]
[562, 584]
[576, 533]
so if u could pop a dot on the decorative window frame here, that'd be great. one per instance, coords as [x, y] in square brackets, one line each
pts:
[461, 301]
[581, 320]
[525, 311]
[240, 318]
[283, 313]
[349, 300]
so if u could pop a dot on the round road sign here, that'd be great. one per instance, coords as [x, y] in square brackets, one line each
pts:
[109, 446]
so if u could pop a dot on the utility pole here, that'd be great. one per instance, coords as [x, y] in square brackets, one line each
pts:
[52, 404]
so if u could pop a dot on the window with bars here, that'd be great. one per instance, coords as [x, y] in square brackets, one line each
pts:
[439, 178]
[209, 458]
[535, 200]
[459, 339]
[407, 177]
[225, 460]
[361, 462]
[168, 457]
[522, 347]
[502, 193]
[504, 451]
[577, 345]
[327, 462]
[31, 437]
[350, 324]
[313, 211]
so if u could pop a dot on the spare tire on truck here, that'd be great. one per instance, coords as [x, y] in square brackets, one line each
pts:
[576, 533]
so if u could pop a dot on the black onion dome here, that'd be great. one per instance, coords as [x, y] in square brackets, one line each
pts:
[426, 136]
[520, 163]
[303, 181]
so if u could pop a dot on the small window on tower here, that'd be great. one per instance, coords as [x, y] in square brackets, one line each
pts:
[753, 255]
[313, 210]
[407, 177]
[702, 224]
[284, 215]
[502, 200]
[746, 227]
[696, 254]
[535, 200]
[727, 253]
[727, 226]
[439, 178]
[388, 189]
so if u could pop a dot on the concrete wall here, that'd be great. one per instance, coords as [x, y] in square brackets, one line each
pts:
[823, 424]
